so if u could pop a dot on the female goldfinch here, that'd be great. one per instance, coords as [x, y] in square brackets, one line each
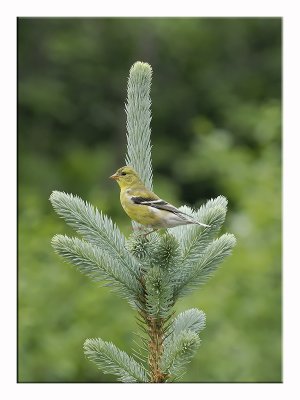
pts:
[146, 207]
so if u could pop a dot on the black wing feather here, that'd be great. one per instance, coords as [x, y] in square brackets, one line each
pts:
[157, 203]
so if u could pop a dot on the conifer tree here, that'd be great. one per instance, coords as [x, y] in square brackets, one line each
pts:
[151, 272]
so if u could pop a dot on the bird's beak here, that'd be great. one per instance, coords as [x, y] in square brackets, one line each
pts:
[114, 176]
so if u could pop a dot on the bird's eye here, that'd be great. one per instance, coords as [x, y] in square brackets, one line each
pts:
[123, 173]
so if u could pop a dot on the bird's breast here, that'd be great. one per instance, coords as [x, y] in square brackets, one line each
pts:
[143, 214]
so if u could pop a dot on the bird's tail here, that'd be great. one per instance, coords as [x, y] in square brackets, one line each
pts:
[200, 223]
[191, 220]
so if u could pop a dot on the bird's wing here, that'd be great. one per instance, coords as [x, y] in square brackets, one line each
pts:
[156, 203]
[151, 200]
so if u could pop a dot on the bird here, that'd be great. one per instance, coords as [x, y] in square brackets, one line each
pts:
[145, 207]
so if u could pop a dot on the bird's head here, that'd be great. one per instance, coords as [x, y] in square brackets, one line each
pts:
[126, 177]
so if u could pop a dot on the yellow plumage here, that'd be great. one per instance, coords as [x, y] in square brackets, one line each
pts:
[144, 206]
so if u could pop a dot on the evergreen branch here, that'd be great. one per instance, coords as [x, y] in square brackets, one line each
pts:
[150, 272]
[193, 320]
[111, 360]
[142, 248]
[178, 352]
[138, 121]
[95, 227]
[166, 253]
[207, 264]
[141, 350]
[159, 292]
[194, 239]
[98, 265]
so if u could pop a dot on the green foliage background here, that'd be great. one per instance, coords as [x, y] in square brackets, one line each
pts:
[216, 130]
